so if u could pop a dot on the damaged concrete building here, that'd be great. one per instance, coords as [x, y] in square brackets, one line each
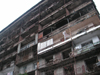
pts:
[54, 37]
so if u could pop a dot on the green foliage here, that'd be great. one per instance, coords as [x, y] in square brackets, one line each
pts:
[23, 74]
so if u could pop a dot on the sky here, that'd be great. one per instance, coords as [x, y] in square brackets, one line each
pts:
[10, 10]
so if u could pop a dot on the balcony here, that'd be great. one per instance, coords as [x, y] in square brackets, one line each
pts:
[25, 57]
[10, 56]
[85, 22]
[87, 48]
[75, 35]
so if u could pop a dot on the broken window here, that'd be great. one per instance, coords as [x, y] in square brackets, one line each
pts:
[90, 63]
[66, 54]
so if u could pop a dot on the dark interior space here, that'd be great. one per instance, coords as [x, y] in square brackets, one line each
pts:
[69, 70]
[49, 60]
[90, 63]
[50, 72]
[66, 54]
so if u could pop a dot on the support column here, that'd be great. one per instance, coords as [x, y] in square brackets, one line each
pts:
[37, 72]
[19, 47]
[36, 38]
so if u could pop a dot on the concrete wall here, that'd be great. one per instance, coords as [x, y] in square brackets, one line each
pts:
[29, 67]
[80, 67]
[59, 71]
[12, 70]
[42, 63]
[57, 58]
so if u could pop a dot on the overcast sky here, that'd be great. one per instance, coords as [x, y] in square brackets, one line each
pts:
[12, 9]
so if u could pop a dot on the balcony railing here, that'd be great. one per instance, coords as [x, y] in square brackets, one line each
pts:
[86, 48]
[28, 46]
[25, 58]
[74, 36]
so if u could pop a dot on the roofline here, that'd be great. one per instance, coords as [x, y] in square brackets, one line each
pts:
[23, 15]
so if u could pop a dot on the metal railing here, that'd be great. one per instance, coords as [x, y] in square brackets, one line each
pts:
[86, 48]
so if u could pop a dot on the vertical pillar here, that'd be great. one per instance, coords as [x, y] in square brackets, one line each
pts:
[19, 47]
[38, 73]
[36, 38]
[98, 57]
[59, 71]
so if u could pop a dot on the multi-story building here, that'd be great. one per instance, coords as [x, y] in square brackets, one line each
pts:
[55, 37]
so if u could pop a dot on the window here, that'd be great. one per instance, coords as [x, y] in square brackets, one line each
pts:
[66, 54]
[90, 63]
[87, 44]
[49, 60]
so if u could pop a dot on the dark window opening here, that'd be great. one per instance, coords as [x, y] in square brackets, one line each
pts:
[83, 12]
[56, 26]
[49, 60]
[69, 18]
[69, 70]
[74, 16]
[90, 7]
[50, 72]
[61, 23]
[66, 54]
[90, 63]
[31, 73]
[87, 44]
[66, 1]
[47, 31]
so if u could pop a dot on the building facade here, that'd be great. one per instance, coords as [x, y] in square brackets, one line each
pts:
[55, 37]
